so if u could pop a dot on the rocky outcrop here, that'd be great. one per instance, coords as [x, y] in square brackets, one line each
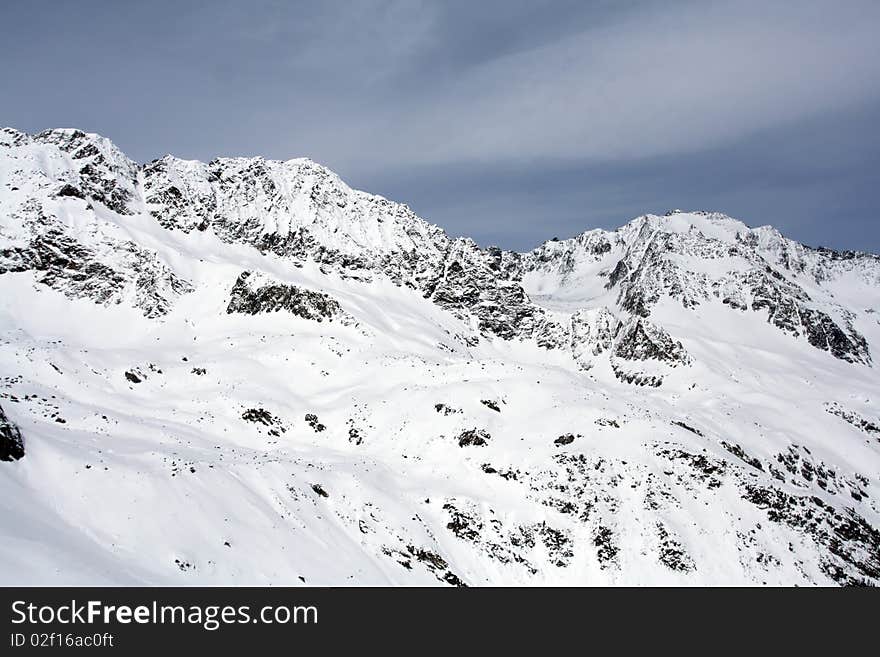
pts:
[90, 264]
[642, 340]
[644, 353]
[300, 210]
[871, 427]
[11, 442]
[788, 307]
[253, 294]
[100, 172]
[474, 438]
[717, 258]
[472, 283]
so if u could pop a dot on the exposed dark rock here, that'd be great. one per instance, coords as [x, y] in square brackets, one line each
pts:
[472, 283]
[687, 427]
[604, 540]
[453, 580]
[566, 439]
[463, 525]
[251, 296]
[105, 271]
[105, 174]
[11, 442]
[856, 420]
[853, 544]
[706, 469]
[312, 421]
[636, 378]
[672, 554]
[265, 418]
[474, 438]
[70, 190]
[805, 470]
[258, 415]
[446, 410]
[741, 454]
[557, 543]
[787, 308]
[641, 340]
[432, 559]
[645, 274]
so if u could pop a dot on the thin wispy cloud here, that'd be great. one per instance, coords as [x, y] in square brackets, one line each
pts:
[390, 91]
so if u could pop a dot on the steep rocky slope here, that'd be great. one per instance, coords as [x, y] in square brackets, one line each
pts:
[246, 372]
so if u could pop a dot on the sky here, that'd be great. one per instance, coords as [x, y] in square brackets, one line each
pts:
[507, 121]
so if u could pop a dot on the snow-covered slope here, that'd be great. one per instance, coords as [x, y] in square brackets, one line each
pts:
[245, 372]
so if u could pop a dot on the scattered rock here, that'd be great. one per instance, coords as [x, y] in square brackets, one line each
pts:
[446, 410]
[863, 424]
[603, 539]
[312, 421]
[740, 453]
[473, 438]
[672, 554]
[687, 427]
[265, 418]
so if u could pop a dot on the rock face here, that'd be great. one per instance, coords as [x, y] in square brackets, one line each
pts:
[108, 273]
[473, 283]
[11, 442]
[301, 211]
[86, 257]
[695, 258]
[252, 295]
[641, 340]
[99, 171]
[247, 357]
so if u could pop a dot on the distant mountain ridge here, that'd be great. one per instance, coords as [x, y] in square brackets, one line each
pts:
[288, 258]
[300, 210]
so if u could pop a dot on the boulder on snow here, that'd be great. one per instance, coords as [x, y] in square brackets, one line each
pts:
[565, 439]
[474, 438]
[11, 442]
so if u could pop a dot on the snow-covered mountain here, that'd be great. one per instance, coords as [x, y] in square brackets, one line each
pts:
[245, 372]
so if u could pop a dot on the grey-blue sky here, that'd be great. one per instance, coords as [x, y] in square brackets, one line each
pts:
[507, 121]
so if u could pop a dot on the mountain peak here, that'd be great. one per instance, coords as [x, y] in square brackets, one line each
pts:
[253, 329]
